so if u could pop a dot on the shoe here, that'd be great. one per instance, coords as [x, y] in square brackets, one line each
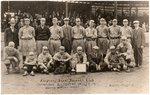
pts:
[25, 73]
[92, 71]
[118, 70]
[32, 73]
[47, 72]
[7, 72]
[42, 72]
[139, 67]
[114, 69]
[128, 70]
[72, 73]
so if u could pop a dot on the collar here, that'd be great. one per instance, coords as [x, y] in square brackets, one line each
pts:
[78, 26]
[115, 25]
[12, 27]
[91, 28]
[66, 25]
[42, 26]
[27, 26]
[102, 25]
[137, 28]
[125, 26]
[80, 54]
[55, 25]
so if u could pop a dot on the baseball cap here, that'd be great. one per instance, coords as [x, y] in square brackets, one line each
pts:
[125, 20]
[95, 47]
[79, 48]
[114, 20]
[42, 19]
[123, 37]
[112, 47]
[12, 21]
[102, 19]
[136, 21]
[66, 19]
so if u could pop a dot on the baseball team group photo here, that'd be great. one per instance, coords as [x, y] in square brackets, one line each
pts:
[64, 39]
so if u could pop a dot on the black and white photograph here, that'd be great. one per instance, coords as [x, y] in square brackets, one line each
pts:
[74, 47]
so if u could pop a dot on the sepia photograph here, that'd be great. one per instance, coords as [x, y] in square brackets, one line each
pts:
[74, 47]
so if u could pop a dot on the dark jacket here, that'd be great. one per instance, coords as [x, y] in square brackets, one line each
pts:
[42, 34]
[138, 38]
[11, 36]
[92, 58]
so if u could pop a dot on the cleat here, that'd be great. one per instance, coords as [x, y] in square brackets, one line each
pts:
[7, 73]
[25, 73]
[32, 73]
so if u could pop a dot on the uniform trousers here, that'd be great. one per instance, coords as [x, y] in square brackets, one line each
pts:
[103, 44]
[76, 43]
[114, 42]
[54, 46]
[89, 45]
[12, 62]
[40, 44]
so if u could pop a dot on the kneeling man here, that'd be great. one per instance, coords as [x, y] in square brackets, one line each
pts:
[96, 60]
[126, 52]
[112, 59]
[11, 57]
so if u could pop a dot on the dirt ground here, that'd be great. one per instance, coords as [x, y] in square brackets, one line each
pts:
[102, 82]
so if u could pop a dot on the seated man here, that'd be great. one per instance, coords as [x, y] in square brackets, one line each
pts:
[96, 60]
[44, 61]
[11, 57]
[125, 49]
[79, 58]
[30, 64]
[61, 61]
[112, 59]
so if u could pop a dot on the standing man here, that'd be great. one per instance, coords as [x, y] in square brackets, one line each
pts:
[138, 42]
[91, 35]
[102, 32]
[78, 36]
[27, 39]
[21, 23]
[114, 33]
[126, 30]
[56, 36]
[11, 34]
[42, 34]
[67, 32]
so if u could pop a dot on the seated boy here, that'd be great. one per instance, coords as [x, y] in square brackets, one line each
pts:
[61, 61]
[44, 61]
[30, 64]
